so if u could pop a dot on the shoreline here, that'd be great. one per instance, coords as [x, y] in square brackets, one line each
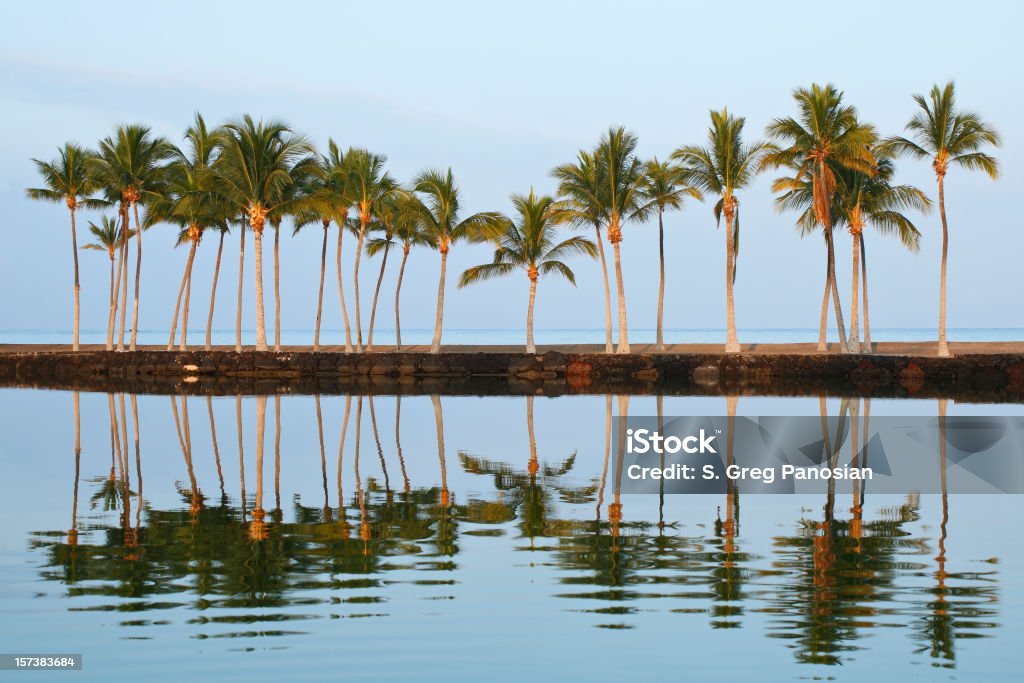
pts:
[977, 372]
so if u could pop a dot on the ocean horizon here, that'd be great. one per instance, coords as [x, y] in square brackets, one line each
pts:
[505, 336]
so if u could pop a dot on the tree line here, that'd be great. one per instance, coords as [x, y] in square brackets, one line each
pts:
[837, 173]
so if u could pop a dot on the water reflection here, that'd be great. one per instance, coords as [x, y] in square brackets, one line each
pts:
[820, 585]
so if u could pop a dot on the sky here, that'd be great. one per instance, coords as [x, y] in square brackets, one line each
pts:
[502, 93]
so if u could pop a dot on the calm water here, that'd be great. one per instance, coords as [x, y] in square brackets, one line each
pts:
[386, 335]
[458, 538]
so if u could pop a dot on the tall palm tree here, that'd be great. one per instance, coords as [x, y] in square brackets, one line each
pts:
[947, 136]
[191, 200]
[528, 244]
[825, 137]
[130, 166]
[369, 186]
[578, 189]
[67, 179]
[665, 187]
[620, 194]
[438, 213]
[261, 160]
[108, 239]
[722, 168]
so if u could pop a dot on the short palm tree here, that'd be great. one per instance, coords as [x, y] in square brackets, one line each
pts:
[620, 194]
[67, 179]
[665, 187]
[223, 230]
[391, 213]
[578, 188]
[108, 239]
[260, 162]
[408, 229]
[439, 216]
[369, 187]
[130, 167]
[722, 168]
[825, 136]
[947, 136]
[528, 244]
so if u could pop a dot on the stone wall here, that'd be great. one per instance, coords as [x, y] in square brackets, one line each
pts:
[981, 377]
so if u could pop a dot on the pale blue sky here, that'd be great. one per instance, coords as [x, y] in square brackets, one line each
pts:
[502, 94]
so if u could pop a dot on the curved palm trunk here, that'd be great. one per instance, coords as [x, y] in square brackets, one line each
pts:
[341, 292]
[138, 276]
[78, 306]
[355, 280]
[216, 450]
[439, 425]
[181, 291]
[341, 453]
[435, 345]
[623, 346]
[277, 289]
[213, 293]
[607, 293]
[843, 345]
[864, 280]
[320, 292]
[732, 344]
[114, 299]
[398, 440]
[660, 340]
[855, 302]
[398, 292]
[261, 320]
[188, 297]
[376, 293]
[530, 348]
[125, 229]
[943, 345]
[241, 272]
[823, 324]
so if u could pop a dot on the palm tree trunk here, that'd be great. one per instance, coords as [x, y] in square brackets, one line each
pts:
[213, 293]
[277, 289]
[341, 292]
[241, 272]
[261, 320]
[114, 300]
[398, 292]
[864, 280]
[530, 348]
[439, 425]
[943, 345]
[398, 440]
[623, 346]
[355, 280]
[732, 344]
[188, 296]
[320, 292]
[855, 303]
[113, 303]
[181, 291]
[607, 293]
[835, 293]
[138, 274]
[125, 229]
[376, 293]
[823, 325]
[78, 307]
[435, 345]
[660, 343]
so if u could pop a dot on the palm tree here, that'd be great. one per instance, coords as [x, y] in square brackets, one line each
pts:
[529, 244]
[409, 230]
[438, 213]
[725, 166]
[826, 137]
[129, 165]
[665, 187]
[338, 200]
[223, 230]
[108, 239]
[261, 160]
[67, 179]
[387, 213]
[369, 187]
[947, 136]
[620, 194]
[190, 200]
[578, 189]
